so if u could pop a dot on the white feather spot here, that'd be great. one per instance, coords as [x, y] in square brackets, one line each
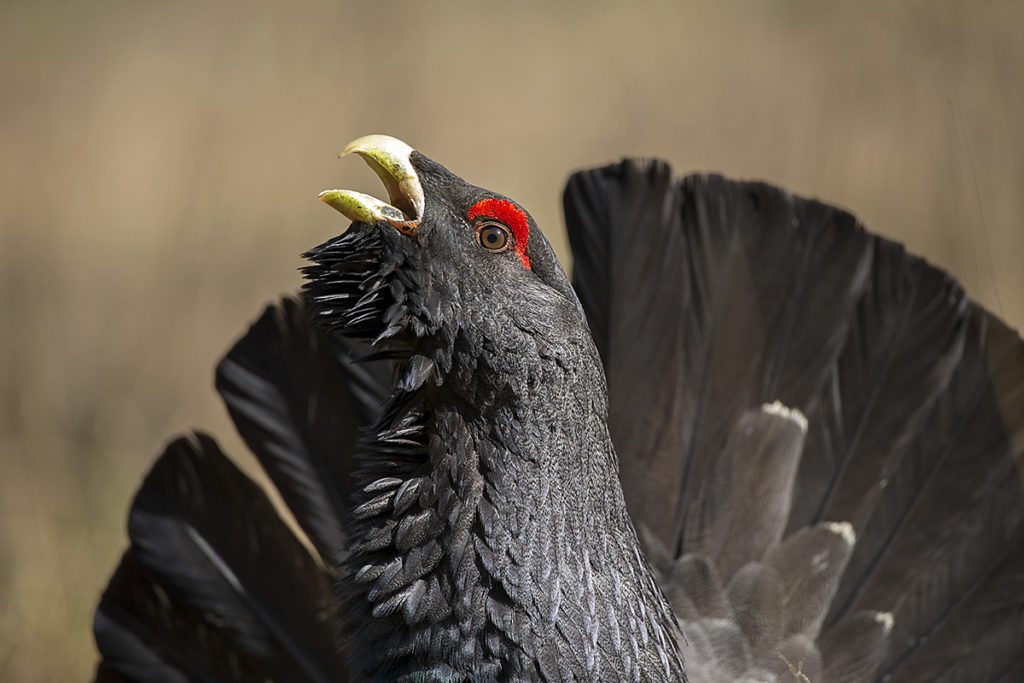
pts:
[793, 414]
[844, 529]
[885, 619]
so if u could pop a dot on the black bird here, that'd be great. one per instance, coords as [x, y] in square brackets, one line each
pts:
[817, 460]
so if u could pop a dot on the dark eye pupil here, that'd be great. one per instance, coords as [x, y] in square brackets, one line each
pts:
[492, 237]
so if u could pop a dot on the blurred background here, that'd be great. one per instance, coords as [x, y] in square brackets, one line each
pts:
[159, 164]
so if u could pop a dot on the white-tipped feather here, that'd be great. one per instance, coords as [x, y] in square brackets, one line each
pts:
[886, 619]
[844, 529]
[777, 408]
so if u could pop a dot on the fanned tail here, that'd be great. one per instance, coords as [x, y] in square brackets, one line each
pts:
[820, 437]
[215, 586]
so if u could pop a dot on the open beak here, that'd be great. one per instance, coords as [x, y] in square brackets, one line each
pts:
[389, 158]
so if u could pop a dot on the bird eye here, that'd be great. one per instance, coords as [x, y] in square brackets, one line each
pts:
[493, 237]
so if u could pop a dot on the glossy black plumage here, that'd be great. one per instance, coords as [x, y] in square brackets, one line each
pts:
[779, 382]
[301, 406]
[209, 549]
[914, 398]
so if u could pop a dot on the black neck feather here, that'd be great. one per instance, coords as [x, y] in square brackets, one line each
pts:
[490, 537]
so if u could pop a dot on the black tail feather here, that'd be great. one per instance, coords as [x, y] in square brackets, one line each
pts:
[708, 298]
[905, 341]
[301, 404]
[145, 636]
[207, 547]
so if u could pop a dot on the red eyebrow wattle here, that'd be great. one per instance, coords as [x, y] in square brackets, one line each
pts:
[511, 215]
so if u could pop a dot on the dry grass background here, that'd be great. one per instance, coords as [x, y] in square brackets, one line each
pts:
[159, 164]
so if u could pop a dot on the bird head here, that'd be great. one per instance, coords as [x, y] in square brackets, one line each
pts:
[441, 258]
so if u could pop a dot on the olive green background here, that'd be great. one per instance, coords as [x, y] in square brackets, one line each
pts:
[159, 164]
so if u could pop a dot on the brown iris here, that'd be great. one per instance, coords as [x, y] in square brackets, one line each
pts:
[493, 237]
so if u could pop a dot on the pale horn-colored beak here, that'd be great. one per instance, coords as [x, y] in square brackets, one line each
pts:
[390, 159]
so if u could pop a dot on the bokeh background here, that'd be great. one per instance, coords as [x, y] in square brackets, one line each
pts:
[159, 164]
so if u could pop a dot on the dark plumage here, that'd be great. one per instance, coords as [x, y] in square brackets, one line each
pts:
[817, 436]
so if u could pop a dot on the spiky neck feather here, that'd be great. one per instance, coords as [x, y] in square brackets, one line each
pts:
[490, 536]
